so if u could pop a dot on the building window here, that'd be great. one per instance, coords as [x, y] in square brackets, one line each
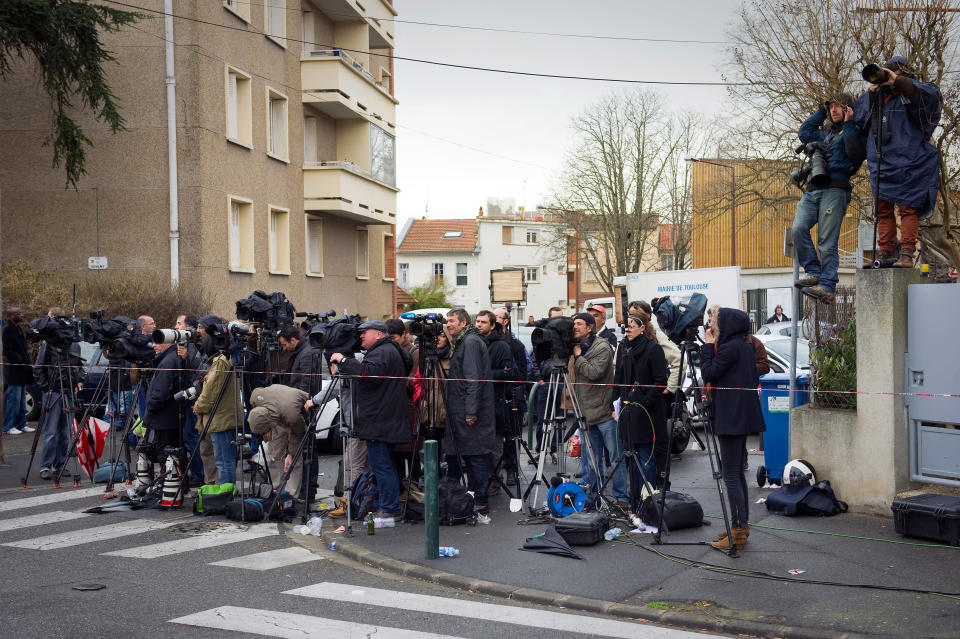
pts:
[363, 253]
[589, 275]
[461, 273]
[239, 107]
[310, 155]
[383, 156]
[279, 241]
[276, 125]
[403, 269]
[666, 262]
[532, 274]
[314, 246]
[240, 8]
[308, 34]
[240, 213]
[438, 270]
[507, 237]
[275, 21]
[531, 236]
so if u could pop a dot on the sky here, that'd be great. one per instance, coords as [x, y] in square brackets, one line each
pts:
[466, 135]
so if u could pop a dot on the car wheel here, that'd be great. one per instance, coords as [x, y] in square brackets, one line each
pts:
[334, 443]
[33, 405]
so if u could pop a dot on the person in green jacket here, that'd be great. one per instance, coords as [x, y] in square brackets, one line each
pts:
[223, 418]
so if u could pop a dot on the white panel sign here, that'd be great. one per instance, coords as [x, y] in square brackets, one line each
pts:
[97, 263]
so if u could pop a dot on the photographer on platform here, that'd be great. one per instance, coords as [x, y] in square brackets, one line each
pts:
[592, 363]
[59, 374]
[727, 361]
[381, 416]
[825, 201]
[224, 417]
[277, 416]
[471, 425]
[904, 164]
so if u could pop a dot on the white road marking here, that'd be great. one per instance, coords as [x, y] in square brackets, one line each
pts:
[89, 535]
[271, 623]
[467, 608]
[208, 539]
[270, 559]
[62, 494]
[40, 519]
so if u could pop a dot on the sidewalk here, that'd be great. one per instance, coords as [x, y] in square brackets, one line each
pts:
[634, 579]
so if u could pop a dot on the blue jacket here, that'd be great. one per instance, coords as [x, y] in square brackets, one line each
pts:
[845, 142]
[910, 170]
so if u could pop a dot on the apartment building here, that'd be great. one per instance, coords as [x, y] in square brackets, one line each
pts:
[285, 156]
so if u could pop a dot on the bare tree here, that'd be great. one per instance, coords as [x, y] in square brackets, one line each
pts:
[794, 54]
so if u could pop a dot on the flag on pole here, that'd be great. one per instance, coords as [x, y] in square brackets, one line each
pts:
[90, 443]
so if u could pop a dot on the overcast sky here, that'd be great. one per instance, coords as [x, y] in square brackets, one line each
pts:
[525, 120]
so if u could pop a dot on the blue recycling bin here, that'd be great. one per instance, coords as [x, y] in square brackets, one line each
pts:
[775, 402]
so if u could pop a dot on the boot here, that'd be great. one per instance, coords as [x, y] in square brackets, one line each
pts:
[905, 260]
[723, 533]
[739, 538]
[340, 511]
[883, 255]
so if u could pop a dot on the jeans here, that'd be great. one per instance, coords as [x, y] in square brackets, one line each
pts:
[15, 415]
[190, 440]
[478, 476]
[56, 430]
[823, 208]
[603, 437]
[732, 450]
[380, 458]
[225, 454]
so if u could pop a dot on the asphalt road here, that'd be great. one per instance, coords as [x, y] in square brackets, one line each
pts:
[169, 573]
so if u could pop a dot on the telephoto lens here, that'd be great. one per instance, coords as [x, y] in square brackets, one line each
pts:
[171, 336]
[874, 73]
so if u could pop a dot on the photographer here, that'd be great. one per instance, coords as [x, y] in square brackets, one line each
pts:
[825, 201]
[670, 350]
[592, 363]
[727, 361]
[305, 363]
[164, 417]
[223, 417]
[503, 370]
[277, 416]
[907, 111]
[59, 374]
[381, 409]
[471, 426]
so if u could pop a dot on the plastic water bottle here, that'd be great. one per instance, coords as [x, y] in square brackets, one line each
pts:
[448, 551]
[301, 530]
[334, 545]
[612, 534]
[636, 522]
[314, 526]
[369, 523]
[384, 522]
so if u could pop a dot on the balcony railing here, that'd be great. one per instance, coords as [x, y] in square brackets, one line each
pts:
[344, 189]
[333, 77]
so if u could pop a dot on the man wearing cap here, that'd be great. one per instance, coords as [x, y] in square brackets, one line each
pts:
[380, 384]
[277, 415]
[904, 164]
[599, 314]
[592, 363]
[824, 204]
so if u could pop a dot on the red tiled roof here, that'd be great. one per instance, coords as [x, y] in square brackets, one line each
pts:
[427, 236]
[405, 298]
[666, 237]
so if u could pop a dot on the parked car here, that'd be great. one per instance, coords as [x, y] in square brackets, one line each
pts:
[94, 369]
[776, 328]
[329, 439]
[778, 353]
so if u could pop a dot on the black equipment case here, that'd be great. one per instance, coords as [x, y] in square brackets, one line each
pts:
[680, 511]
[583, 529]
[929, 517]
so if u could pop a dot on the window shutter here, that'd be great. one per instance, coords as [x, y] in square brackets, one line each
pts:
[234, 235]
[278, 127]
[315, 245]
[310, 140]
[232, 126]
[278, 19]
[273, 241]
[308, 31]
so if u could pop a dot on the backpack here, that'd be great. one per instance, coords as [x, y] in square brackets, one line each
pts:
[456, 504]
[818, 500]
[212, 500]
[364, 495]
[250, 509]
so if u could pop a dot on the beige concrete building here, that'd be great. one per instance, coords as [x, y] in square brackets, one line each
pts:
[285, 156]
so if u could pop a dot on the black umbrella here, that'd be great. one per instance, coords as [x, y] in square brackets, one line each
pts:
[551, 543]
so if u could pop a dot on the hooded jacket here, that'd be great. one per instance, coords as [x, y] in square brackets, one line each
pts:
[380, 389]
[730, 366]
[643, 412]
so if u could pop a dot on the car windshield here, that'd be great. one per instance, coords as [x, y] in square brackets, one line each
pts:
[89, 353]
[782, 348]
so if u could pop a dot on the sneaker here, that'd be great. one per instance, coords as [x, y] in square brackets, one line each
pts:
[819, 293]
[807, 280]
[28, 429]
[13, 431]
[481, 510]
[45, 473]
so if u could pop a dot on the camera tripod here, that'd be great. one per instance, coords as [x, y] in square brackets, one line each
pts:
[702, 417]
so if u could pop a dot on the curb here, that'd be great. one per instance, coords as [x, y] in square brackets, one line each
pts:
[672, 618]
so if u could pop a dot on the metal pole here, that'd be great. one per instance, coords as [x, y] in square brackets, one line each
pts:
[172, 182]
[733, 215]
[794, 324]
[431, 498]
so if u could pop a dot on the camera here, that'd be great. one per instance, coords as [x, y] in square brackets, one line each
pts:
[815, 170]
[172, 336]
[340, 335]
[59, 331]
[427, 327]
[313, 319]
[874, 73]
[681, 322]
[134, 347]
[553, 338]
[186, 395]
[270, 311]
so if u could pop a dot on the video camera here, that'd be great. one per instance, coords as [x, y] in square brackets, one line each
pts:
[340, 335]
[119, 338]
[270, 311]
[553, 337]
[427, 327]
[224, 336]
[815, 169]
[58, 331]
[681, 322]
[313, 319]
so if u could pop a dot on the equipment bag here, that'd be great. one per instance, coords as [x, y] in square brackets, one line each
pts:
[456, 504]
[211, 500]
[818, 500]
[250, 509]
[364, 495]
[680, 511]
[102, 474]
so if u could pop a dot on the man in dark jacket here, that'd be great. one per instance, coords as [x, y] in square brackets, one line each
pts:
[59, 374]
[381, 408]
[503, 370]
[727, 361]
[824, 204]
[17, 374]
[603, 331]
[165, 416]
[908, 112]
[517, 349]
[305, 361]
[471, 426]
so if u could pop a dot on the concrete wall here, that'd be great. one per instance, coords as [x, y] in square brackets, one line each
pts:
[864, 453]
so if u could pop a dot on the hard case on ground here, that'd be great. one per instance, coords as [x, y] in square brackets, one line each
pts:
[583, 529]
[928, 517]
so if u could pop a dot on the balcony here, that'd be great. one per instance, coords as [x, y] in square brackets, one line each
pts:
[378, 14]
[343, 189]
[341, 87]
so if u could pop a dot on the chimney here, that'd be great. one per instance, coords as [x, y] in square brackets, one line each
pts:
[480, 213]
